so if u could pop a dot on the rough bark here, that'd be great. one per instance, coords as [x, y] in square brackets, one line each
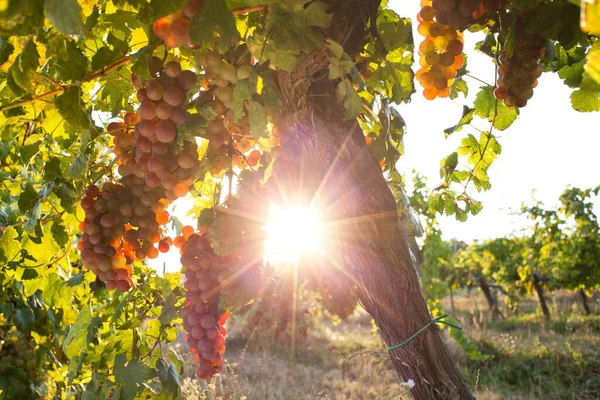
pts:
[366, 229]
[538, 280]
[584, 301]
[490, 298]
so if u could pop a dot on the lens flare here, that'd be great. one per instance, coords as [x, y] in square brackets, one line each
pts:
[292, 232]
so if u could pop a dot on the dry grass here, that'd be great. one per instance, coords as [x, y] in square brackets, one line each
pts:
[529, 359]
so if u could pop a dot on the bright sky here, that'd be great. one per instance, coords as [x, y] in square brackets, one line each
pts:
[549, 147]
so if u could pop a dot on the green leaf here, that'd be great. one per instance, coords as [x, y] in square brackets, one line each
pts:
[505, 116]
[41, 252]
[435, 202]
[59, 233]
[27, 199]
[9, 244]
[52, 169]
[169, 378]
[24, 66]
[257, 116]
[72, 65]
[592, 63]
[466, 118]
[25, 318]
[484, 102]
[459, 86]
[161, 8]
[196, 124]
[65, 15]
[288, 31]
[170, 311]
[486, 106]
[242, 92]
[584, 100]
[55, 293]
[214, 16]
[79, 333]
[572, 75]
[351, 100]
[263, 48]
[130, 375]
[6, 49]
[70, 107]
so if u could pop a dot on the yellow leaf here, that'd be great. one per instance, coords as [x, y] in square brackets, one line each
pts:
[138, 39]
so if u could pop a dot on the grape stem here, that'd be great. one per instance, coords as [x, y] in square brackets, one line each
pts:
[479, 80]
[90, 77]
[247, 10]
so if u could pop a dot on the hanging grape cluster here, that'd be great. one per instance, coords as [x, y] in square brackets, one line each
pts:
[231, 142]
[458, 14]
[222, 257]
[174, 28]
[18, 360]
[124, 219]
[441, 23]
[203, 321]
[122, 225]
[159, 158]
[518, 73]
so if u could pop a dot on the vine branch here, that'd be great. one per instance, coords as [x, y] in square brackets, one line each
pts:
[90, 77]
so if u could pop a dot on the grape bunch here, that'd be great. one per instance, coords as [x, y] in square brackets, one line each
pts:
[440, 54]
[122, 224]
[174, 28]
[220, 78]
[18, 356]
[518, 74]
[157, 156]
[458, 14]
[203, 321]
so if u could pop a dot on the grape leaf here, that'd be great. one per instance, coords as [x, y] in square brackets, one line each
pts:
[25, 318]
[351, 100]
[6, 49]
[161, 8]
[52, 169]
[69, 106]
[130, 375]
[27, 199]
[81, 332]
[486, 106]
[25, 64]
[9, 244]
[72, 63]
[65, 15]
[592, 63]
[42, 252]
[466, 118]
[257, 116]
[214, 16]
[169, 378]
[585, 100]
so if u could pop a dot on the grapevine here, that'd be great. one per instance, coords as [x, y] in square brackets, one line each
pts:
[441, 23]
[518, 72]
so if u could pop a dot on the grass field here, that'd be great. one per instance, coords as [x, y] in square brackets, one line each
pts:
[527, 358]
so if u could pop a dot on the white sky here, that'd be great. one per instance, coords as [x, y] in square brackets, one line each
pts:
[548, 147]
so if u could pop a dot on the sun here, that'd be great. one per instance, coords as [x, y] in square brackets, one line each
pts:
[291, 232]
